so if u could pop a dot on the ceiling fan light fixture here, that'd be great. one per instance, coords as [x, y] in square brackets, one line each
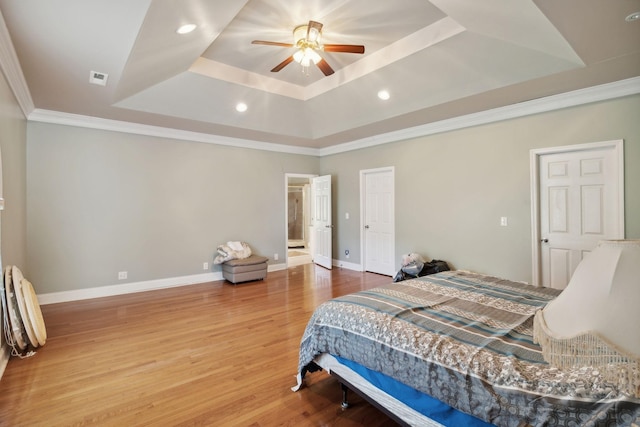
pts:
[300, 38]
[299, 34]
[306, 56]
[306, 41]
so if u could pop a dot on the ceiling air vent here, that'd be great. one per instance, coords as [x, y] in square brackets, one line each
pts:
[98, 78]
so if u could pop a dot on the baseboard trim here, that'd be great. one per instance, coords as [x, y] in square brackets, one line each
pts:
[129, 288]
[347, 265]
[277, 267]
[126, 288]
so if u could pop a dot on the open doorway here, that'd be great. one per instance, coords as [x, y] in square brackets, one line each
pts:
[298, 219]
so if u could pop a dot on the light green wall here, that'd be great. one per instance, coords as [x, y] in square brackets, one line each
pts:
[13, 143]
[451, 189]
[100, 202]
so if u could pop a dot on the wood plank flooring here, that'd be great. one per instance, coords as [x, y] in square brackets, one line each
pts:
[208, 354]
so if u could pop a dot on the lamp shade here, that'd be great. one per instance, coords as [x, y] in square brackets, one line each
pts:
[595, 321]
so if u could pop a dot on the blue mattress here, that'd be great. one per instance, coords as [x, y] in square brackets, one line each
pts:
[416, 400]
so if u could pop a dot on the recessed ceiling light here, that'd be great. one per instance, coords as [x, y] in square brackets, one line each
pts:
[186, 29]
[633, 17]
[241, 107]
[384, 95]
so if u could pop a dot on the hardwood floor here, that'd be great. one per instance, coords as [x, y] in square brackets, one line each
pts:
[207, 354]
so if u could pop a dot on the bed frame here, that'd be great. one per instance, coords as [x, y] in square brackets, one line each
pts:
[346, 386]
[396, 410]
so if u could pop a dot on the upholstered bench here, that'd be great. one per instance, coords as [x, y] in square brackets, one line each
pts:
[243, 270]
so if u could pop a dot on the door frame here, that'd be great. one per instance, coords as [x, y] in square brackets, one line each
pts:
[363, 204]
[534, 163]
[286, 209]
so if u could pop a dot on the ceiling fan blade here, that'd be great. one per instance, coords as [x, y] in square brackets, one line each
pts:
[325, 67]
[283, 64]
[347, 48]
[313, 31]
[271, 43]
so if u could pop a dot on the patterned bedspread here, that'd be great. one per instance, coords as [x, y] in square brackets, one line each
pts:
[465, 339]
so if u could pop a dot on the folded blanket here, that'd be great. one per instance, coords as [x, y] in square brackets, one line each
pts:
[235, 246]
[227, 252]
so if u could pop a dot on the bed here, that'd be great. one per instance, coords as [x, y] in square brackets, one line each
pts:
[462, 343]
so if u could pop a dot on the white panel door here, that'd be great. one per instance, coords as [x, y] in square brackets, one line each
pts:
[322, 226]
[579, 206]
[379, 221]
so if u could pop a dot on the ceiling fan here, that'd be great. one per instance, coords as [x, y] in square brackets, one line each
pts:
[306, 38]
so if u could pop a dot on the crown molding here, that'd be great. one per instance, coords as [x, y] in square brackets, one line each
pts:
[10, 66]
[589, 95]
[78, 120]
[551, 103]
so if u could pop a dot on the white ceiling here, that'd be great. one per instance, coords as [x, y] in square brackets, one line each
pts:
[439, 59]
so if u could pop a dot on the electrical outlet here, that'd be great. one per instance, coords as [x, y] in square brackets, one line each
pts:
[275, 257]
[503, 221]
[205, 265]
[346, 253]
[122, 275]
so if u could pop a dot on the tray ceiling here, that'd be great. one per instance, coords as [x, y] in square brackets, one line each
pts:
[438, 59]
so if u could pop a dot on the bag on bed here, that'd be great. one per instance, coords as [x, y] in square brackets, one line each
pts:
[433, 267]
[412, 264]
[400, 276]
[409, 271]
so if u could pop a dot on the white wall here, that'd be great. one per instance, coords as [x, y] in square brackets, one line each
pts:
[452, 188]
[13, 143]
[100, 202]
[13, 218]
